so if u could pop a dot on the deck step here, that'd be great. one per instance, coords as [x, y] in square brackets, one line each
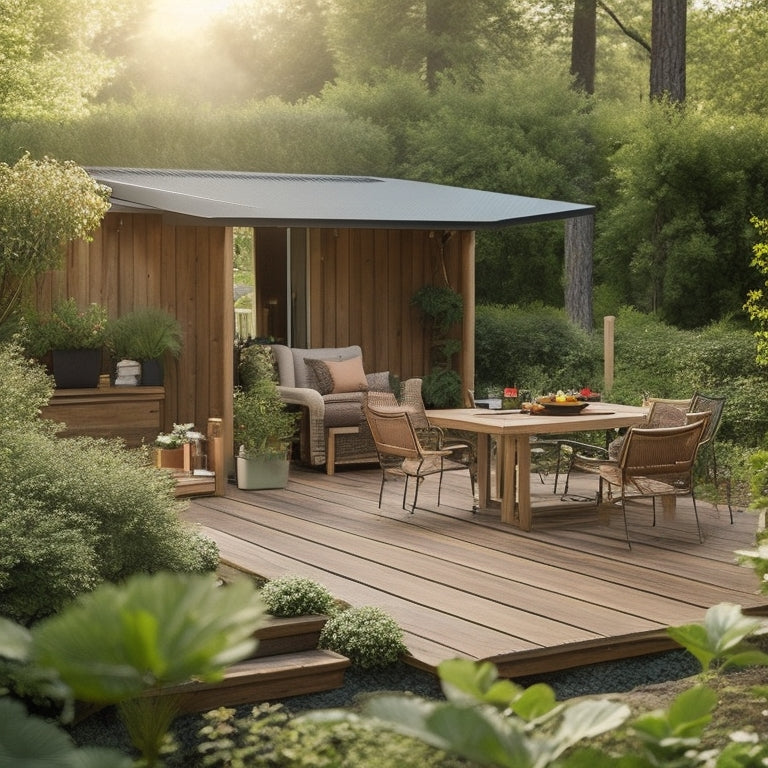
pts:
[289, 635]
[264, 679]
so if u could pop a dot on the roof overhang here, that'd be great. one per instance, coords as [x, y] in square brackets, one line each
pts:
[229, 198]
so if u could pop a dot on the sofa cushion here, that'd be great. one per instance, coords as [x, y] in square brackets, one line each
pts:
[343, 410]
[378, 382]
[347, 375]
[319, 376]
[300, 371]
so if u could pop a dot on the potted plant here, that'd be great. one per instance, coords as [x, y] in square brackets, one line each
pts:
[146, 334]
[263, 430]
[173, 450]
[74, 338]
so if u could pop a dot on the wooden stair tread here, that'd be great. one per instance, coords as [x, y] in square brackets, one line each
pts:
[194, 485]
[262, 679]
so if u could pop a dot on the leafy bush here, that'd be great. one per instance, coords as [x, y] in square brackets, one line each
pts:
[296, 596]
[257, 361]
[367, 636]
[75, 512]
[534, 347]
[43, 203]
[25, 389]
[442, 389]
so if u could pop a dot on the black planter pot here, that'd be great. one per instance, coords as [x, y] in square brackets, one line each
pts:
[76, 368]
[152, 373]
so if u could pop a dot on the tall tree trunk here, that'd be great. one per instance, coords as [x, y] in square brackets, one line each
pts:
[579, 237]
[583, 44]
[668, 49]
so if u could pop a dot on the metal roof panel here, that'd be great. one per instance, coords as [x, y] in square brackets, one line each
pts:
[272, 199]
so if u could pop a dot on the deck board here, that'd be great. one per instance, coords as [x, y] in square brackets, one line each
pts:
[567, 592]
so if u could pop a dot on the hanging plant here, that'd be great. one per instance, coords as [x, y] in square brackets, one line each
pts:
[444, 308]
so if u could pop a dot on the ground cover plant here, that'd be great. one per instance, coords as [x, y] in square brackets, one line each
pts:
[495, 722]
[366, 635]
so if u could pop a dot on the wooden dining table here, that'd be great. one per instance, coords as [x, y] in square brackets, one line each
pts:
[513, 431]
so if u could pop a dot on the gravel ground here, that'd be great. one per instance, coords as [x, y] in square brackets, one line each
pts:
[104, 729]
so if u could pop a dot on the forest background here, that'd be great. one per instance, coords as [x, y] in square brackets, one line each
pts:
[472, 94]
[490, 94]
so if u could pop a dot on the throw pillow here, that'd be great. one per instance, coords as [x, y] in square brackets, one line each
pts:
[318, 376]
[347, 375]
[378, 382]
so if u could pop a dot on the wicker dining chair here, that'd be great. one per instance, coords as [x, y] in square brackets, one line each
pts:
[462, 445]
[586, 457]
[401, 452]
[656, 462]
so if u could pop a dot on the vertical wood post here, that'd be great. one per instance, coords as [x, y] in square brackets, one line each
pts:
[468, 326]
[216, 460]
[609, 324]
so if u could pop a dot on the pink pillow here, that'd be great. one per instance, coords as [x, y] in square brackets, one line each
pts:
[347, 375]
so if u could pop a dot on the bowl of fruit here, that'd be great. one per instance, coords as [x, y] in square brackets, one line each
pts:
[561, 404]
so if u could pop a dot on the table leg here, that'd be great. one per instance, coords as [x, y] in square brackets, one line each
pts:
[483, 470]
[509, 484]
[499, 465]
[523, 450]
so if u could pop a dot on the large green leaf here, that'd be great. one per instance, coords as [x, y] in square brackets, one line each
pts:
[465, 680]
[721, 638]
[148, 632]
[478, 733]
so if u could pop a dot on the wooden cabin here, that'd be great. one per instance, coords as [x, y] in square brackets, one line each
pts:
[337, 261]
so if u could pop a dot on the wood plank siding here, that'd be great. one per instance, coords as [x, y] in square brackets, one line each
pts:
[137, 260]
[361, 285]
[361, 282]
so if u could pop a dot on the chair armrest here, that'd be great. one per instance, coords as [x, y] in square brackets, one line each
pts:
[306, 396]
[313, 429]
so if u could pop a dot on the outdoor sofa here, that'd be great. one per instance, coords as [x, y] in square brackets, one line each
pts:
[330, 385]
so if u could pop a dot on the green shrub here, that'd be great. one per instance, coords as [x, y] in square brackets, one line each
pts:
[367, 636]
[296, 596]
[25, 389]
[534, 347]
[78, 511]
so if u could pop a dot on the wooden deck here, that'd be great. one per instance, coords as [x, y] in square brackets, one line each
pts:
[565, 594]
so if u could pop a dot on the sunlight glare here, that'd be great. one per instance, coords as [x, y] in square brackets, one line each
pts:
[184, 18]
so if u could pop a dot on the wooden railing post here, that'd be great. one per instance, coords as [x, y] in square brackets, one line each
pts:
[609, 324]
[216, 454]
